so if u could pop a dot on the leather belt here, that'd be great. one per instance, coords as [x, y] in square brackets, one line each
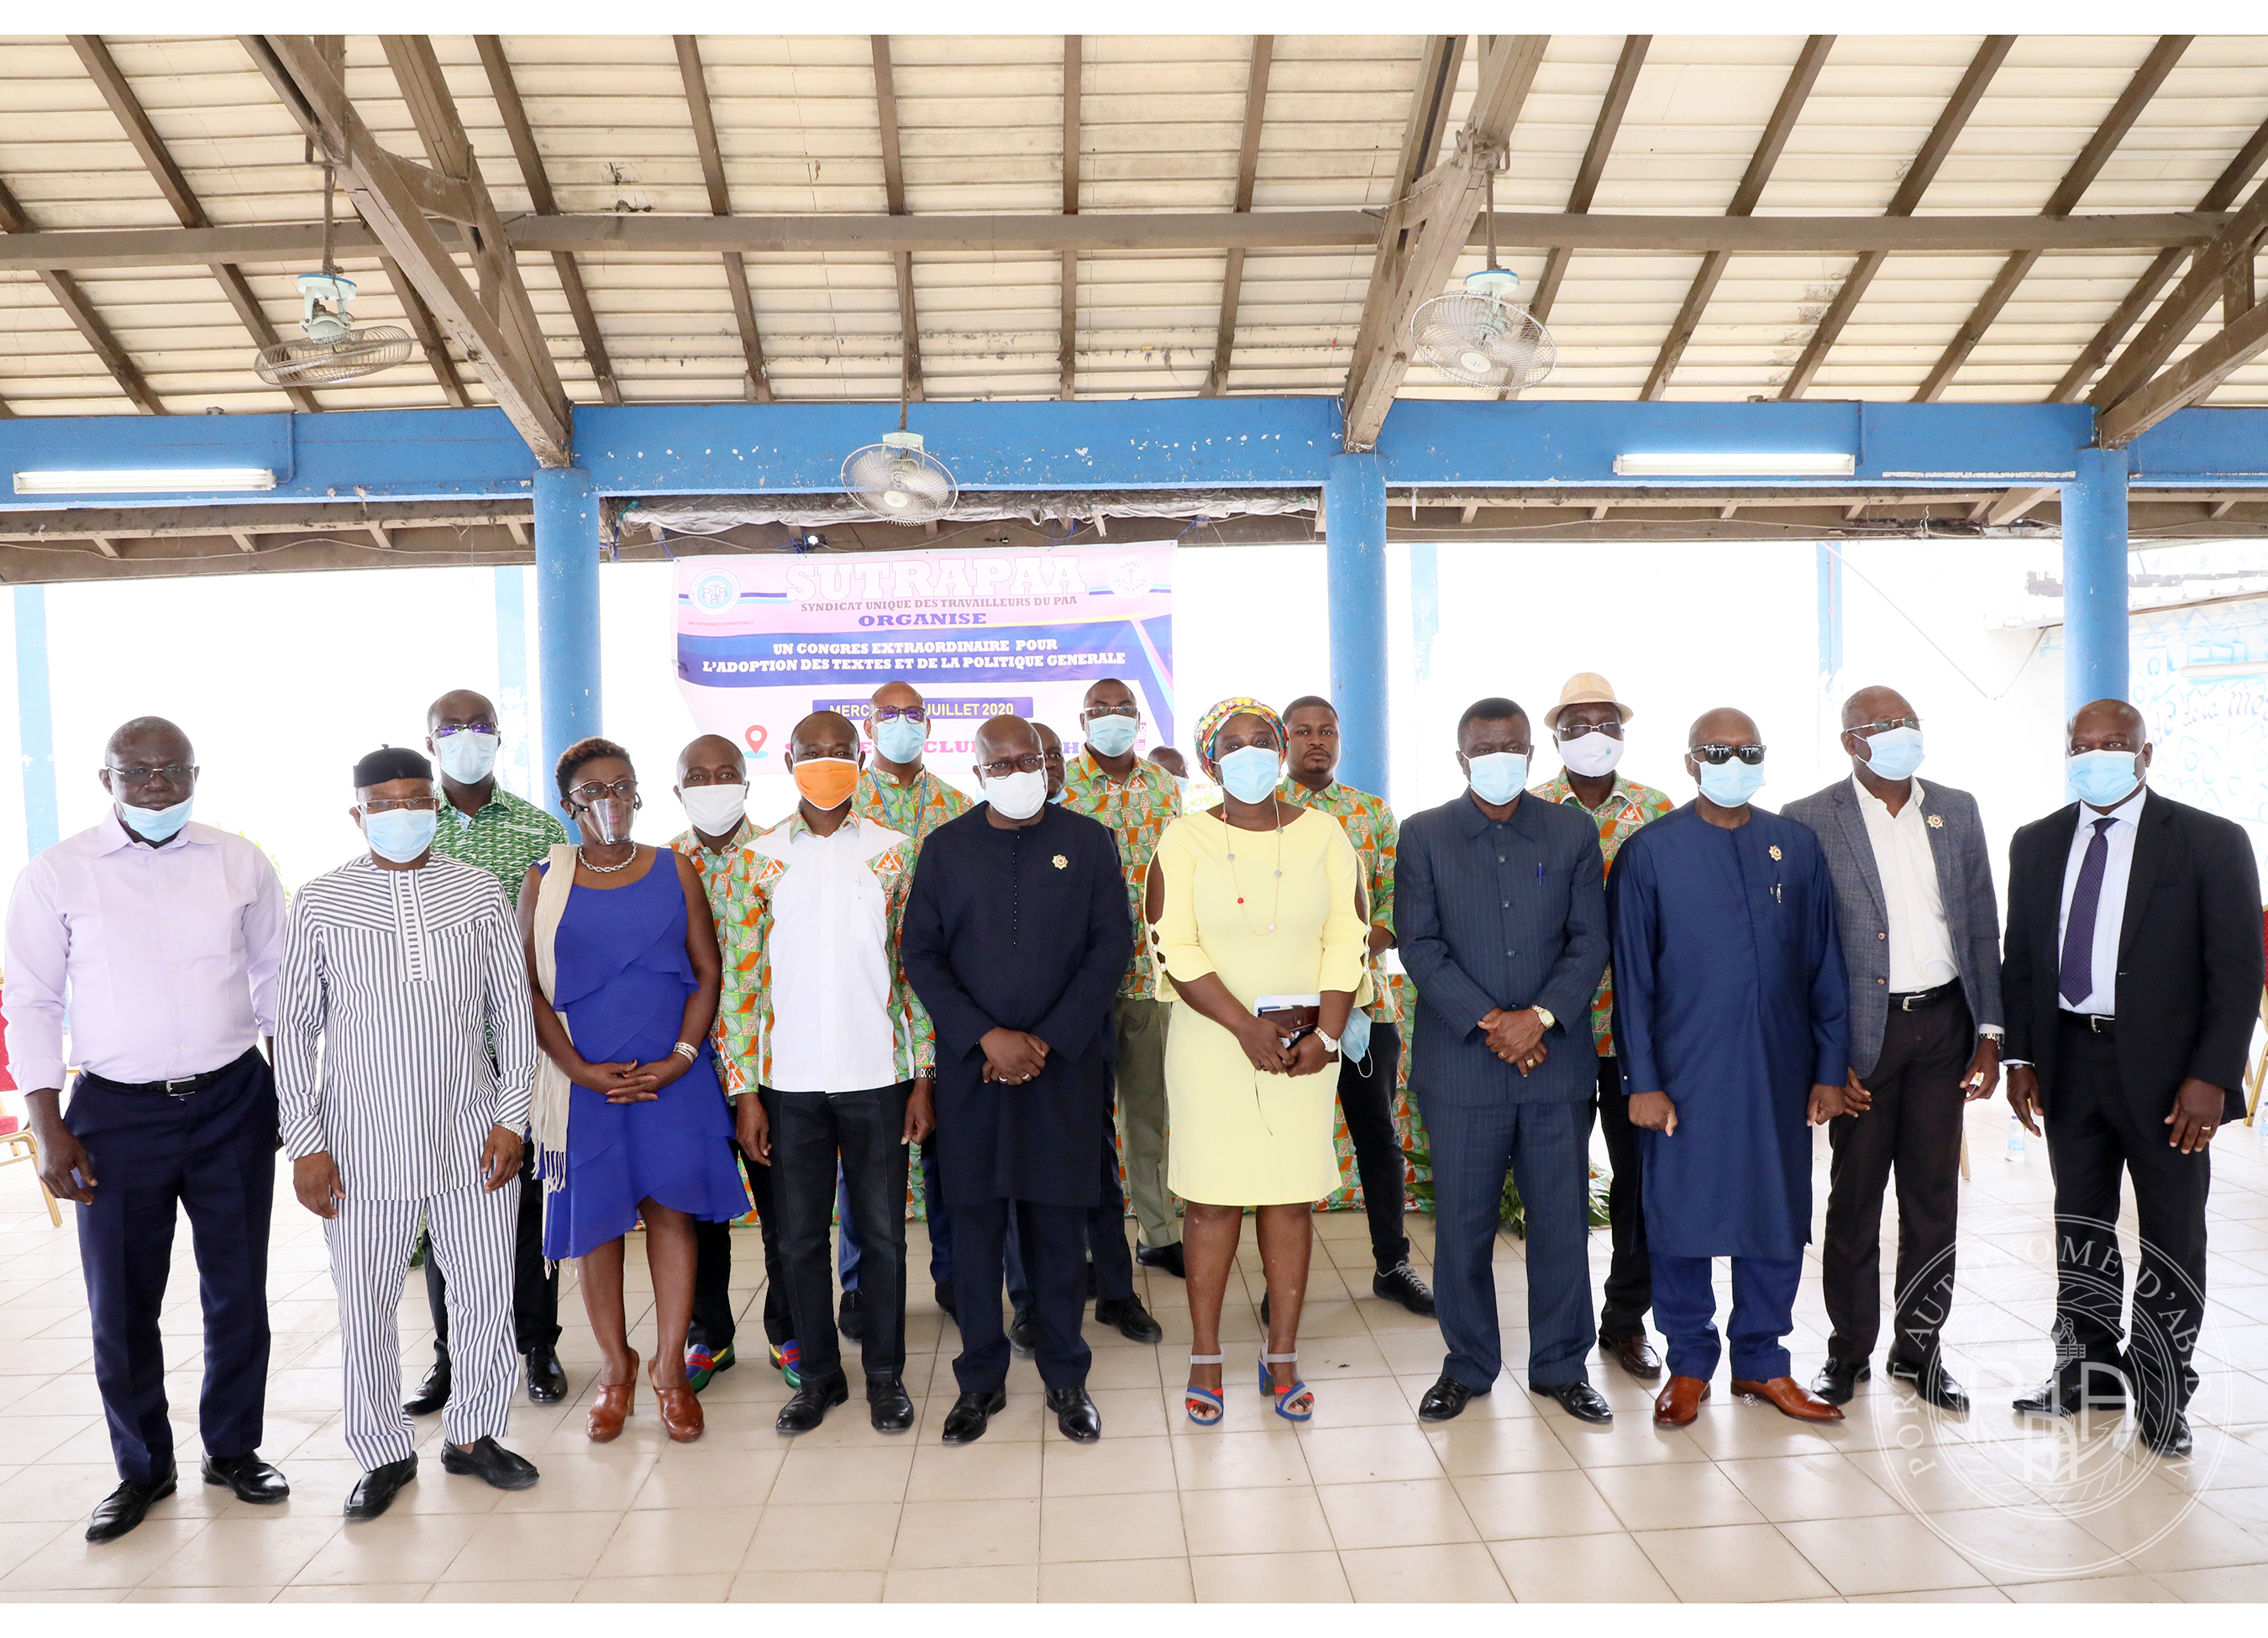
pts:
[1914, 1001]
[2093, 1024]
[187, 1086]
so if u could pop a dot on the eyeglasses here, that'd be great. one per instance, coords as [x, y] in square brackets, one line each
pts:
[412, 804]
[172, 773]
[1717, 755]
[1008, 765]
[465, 728]
[1093, 712]
[915, 713]
[1867, 730]
[588, 794]
[1576, 730]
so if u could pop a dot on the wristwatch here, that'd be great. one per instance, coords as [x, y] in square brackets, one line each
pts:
[1544, 1013]
[1330, 1042]
[1993, 1033]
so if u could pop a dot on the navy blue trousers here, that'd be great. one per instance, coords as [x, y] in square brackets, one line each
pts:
[1545, 1148]
[213, 1155]
[1055, 1256]
[1106, 1243]
[937, 1215]
[1763, 1312]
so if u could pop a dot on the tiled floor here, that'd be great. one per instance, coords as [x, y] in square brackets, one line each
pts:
[1514, 1500]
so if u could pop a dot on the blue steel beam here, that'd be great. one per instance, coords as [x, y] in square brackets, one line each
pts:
[1354, 558]
[566, 614]
[35, 717]
[2095, 621]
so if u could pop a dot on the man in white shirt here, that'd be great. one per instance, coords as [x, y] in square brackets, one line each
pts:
[841, 1061]
[163, 938]
[1919, 924]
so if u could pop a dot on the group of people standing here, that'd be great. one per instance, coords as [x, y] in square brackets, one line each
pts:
[507, 1045]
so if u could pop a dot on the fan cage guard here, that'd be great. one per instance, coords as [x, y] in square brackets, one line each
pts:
[1519, 350]
[320, 363]
[873, 474]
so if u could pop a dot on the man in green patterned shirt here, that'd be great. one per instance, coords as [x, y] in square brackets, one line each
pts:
[484, 824]
[1586, 728]
[1138, 800]
[1366, 1079]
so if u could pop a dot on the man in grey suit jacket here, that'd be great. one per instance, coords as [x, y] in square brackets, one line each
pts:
[1501, 910]
[1913, 887]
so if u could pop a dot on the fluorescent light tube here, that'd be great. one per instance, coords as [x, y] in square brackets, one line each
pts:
[1736, 464]
[146, 481]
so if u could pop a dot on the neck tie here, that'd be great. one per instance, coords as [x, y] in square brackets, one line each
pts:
[2076, 976]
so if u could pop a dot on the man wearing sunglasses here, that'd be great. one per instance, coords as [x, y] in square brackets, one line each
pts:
[1921, 944]
[1731, 1013]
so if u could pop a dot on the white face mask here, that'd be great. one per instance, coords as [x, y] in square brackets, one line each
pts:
[714, 809]
[465, 757]
[1591, 754]
[1020, 795]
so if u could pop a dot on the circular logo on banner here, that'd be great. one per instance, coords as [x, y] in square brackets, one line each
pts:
[1130, 578]
[716, 592]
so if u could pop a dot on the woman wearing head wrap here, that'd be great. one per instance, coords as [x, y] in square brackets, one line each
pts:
[1254, 910]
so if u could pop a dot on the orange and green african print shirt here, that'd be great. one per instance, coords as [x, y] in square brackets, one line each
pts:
[912, 810]
[1628, 806]
[1369, 825]
[1137, 808]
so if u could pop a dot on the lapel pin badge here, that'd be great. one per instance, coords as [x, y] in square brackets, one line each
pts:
[1774, 850]
[1061, 863]
[1936, 822]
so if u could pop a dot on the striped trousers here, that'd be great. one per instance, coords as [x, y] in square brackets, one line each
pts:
[371, 1242]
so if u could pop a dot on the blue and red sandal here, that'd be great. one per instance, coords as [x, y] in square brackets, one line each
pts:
[1285, 1397]
[1197, 1400]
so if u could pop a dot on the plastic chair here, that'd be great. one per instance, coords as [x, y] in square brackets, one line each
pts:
[21, 1146]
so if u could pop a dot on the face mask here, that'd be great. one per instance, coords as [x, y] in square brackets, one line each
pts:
[1894, 753]
[714, 809]
[1112, 736]
[901, 739]
[1057, 799]
[467, 758]
[1354, 1045]
[825, 782]
[1590, 755]
[610, 815]
[156, 824]
[400, 835]
[1731, 784]
[1182, 786]
[1499, 777]
[2105, 778]
[1020, 795]
[1250, 774]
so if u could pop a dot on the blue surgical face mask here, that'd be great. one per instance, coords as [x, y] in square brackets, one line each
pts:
[1730, 784]
[157, 824]
[901, 739]
[465, 757]
[1250, 774]
[1354, 1045]
[1498, 776]
[401, 834]
[1112, 736]
[2103, 778]
[1894, 753]
[1057, 798]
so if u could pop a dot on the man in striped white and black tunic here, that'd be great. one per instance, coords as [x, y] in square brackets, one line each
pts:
[406, 966]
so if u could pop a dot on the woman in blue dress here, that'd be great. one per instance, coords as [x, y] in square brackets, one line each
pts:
[624, 948]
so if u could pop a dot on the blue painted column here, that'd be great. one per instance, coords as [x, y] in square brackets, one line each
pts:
[516, 766]
[35, 717]
[566, 611]
[1354, 535]
[2095, 579]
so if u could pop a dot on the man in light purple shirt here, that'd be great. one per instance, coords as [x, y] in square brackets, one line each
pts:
[164, 939]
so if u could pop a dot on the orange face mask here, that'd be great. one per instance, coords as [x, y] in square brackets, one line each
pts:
[825, 781]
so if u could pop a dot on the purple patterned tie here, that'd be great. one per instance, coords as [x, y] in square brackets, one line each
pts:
[2076, 977]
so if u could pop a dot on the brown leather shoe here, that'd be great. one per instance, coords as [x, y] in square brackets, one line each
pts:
[1634, 1354]
[1680, 1402]
[611, 1408]
[1793, 1398]
[680, 1411]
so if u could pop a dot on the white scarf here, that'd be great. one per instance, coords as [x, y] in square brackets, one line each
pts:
[547, 1112]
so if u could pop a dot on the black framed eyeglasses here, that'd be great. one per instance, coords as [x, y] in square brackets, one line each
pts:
[1008, 765]
[465, 728]
[172, 773]
[1094, 713]
[588, 794]
[412, 804]
[1576, 730]
[1867, 730]
[1717, 755]
[915, 713]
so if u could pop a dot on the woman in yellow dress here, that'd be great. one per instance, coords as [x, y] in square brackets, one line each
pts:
[1253, 904]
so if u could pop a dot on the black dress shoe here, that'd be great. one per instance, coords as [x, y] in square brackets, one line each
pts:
[1166, 1257]
[1634, 1354]
[1133, 1320]
[1401, 1284]
[1024, 1333]
[944, 1301]
[889, 1405]
[2092, 1388]
[1447, 1399]
[808, 1405]
[850, 1317]
[433, 1393]
[972, 1413]
[547, 1383]
[252, 1479]
[2167, 1435]
[1578, 1399]
[1075, 1415]
[1839, 1379]
[125, 1508]
[485, 1458]
[379, 1487]
[1930, 1384]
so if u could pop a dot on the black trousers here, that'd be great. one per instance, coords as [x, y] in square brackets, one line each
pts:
[534, 1290]
[2094, 1134]
[713, 1326]
[1367, 1100]
[1053, 1240]
[211, 1154]
[811, 1134]
[1106, 1245]
[1915, 1128]
[1629, 1275]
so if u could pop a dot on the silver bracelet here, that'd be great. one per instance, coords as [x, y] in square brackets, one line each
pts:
[686, 1051]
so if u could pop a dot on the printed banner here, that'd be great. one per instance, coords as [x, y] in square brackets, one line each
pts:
[762, 641]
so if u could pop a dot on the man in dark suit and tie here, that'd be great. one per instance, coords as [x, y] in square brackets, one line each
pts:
[2133, 976]
[1914, 901]
[1503, 924]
